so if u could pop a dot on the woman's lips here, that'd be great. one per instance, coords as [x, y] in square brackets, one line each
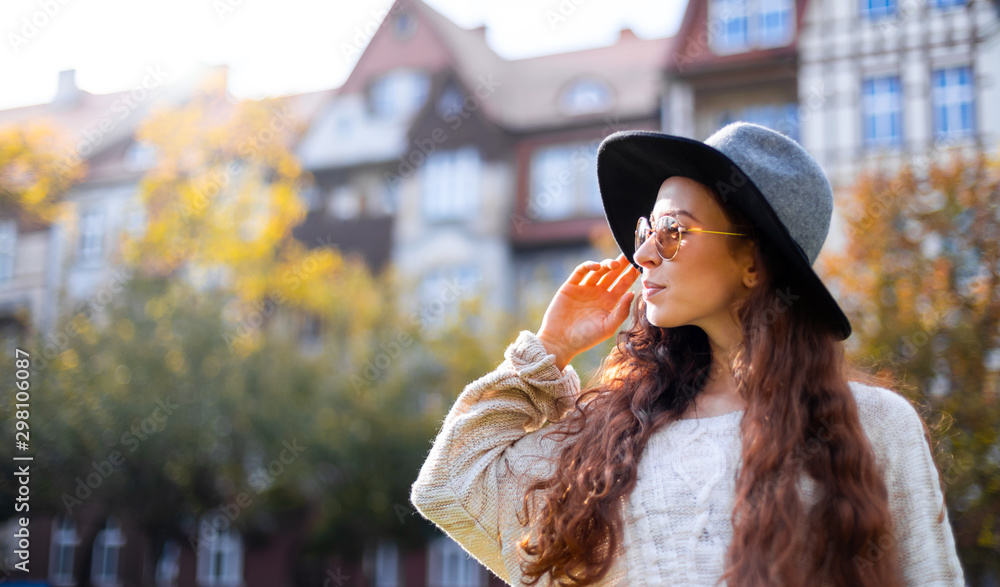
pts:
[650, 289]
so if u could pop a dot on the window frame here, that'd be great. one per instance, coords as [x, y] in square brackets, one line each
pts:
[91, 235]
[451, 185]
[944, 134]
[219, 556]
[62, 546]
[389, 94]
[753, 15]
[168, 566]
[586, 86]
[868, 12]
[559, 159]
[871, 115]
[107, 544]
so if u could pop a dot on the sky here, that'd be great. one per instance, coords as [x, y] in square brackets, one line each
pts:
[272, 47]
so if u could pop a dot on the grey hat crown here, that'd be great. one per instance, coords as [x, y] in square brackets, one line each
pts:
[787, 176]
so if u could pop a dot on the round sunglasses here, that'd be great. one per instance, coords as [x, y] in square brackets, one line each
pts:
[668, 235]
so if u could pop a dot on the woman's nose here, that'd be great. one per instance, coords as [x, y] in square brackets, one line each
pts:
[646, 255]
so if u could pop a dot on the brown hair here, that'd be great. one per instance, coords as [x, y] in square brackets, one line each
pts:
[800, 418]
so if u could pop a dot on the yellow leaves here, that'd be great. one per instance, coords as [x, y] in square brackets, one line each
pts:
[175, 361]
[155, 308]
[69, 360]
[37, 168]
[125, 329]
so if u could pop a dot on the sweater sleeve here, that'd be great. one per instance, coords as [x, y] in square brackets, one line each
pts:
[463, 482]
[926, 546]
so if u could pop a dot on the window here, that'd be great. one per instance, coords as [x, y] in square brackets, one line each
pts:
[168, 568]
[775, 23]
[451, 103]
[8, 249]
[107, 548]
[740, 25]
[953, 102]
[783, 118]
[874, 9]
[387, 565]
[448, 565]
[944, 4]
[882, 111]
[91, 236]
[62, 549]
[451, 185]
[140, 156]
[399, 93]
[730, 25]
[220, 556]
[345, 203]
[564, 182]
[404, 26]
[585, 96]
[389, 200]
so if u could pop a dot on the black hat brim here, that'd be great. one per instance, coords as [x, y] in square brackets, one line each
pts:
[632, 165]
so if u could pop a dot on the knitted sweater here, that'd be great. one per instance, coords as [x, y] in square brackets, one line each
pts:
[677, 519]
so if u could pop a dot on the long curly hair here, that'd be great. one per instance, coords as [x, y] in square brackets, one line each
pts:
[800, 418]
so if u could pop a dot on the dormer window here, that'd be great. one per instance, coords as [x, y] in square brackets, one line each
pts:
[140, 156]
[585, 96]
[399, 93]
[450, 103]
[404, 25]
[736, 26]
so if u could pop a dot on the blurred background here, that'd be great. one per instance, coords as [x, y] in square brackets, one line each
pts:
[254, 251]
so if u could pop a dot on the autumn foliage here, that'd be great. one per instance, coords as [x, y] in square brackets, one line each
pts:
[920, 280]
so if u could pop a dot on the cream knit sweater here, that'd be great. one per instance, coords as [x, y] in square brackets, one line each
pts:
[677, 519]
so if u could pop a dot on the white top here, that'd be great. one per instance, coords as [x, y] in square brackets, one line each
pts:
[678, 518]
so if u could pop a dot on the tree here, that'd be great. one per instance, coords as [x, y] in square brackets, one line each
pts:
[36, 171]
[190, 395]
[920, 279]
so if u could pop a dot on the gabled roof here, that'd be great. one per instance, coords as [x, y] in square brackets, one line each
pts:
[100, 125]
[631, 68]
[524, 93]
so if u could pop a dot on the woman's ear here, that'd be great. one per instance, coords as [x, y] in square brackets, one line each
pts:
[751, 277]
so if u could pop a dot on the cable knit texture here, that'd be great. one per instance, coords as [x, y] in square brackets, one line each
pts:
[677, 519]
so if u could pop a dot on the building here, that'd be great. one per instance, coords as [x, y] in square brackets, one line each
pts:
[733, 61]
[884, 82]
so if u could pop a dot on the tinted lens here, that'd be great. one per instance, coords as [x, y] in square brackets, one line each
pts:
[668, 236]
[641, 232]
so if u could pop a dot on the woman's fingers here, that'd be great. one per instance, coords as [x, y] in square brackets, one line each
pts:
[619, 267]
[603, 274]
[595, 276]
[625, 280]
[581, 271]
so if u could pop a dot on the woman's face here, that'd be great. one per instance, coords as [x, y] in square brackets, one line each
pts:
[703, 280]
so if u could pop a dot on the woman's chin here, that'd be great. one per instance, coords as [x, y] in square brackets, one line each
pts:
[661, 319]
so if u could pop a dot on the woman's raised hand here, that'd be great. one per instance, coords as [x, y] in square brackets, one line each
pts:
[588, 308]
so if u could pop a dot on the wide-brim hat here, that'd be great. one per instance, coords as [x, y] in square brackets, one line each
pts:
[763, 173]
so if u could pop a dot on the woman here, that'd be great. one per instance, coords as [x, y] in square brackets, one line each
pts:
[722, 442]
